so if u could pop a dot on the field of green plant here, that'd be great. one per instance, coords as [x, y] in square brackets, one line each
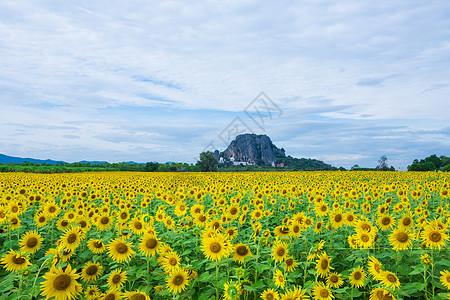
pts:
[261, 235]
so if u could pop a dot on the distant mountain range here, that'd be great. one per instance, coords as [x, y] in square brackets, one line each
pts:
[6, 159]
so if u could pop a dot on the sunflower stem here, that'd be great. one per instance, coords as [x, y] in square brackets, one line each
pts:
[39, 271]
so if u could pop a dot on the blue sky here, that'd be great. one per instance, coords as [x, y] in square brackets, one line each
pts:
[160, 81]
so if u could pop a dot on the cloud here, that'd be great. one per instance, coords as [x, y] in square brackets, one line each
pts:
[146, 77]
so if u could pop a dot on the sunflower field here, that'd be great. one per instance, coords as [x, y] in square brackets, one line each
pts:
[265, 235]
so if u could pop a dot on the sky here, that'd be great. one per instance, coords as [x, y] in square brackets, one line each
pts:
[341, 81]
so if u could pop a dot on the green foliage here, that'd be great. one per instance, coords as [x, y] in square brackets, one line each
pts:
[207, 162]
[430, 163]
[305, 164]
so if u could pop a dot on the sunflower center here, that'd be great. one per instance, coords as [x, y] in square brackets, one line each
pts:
[110, 297]
[104, 220]
[391, 278]
[173, 261]
[32, 242]
[377, 268]
[92, 270]
[364, 238]
[435, 236]
[52, 209]
[296, 229]
[123, 215]
[242, 250]
[137, 297]
[62, 282]
[233, 210]
[215, 247]
[178, 280]
[216, 225]
[41, 219]
[72, 238]
[83, 224]
[349, 218]
[18, 260]
[324, 293]
[357, 275]
[116, 279]
[324, 264]
[289, 262]
[64, 223]
[281, 252]
[338, 218]
[386, 221]
[138, 225]
[98, 244]
[269, 296]
[402, 237]
[122, 248]
[14, 221]
[151, 243]
[406, 221]
[323, 208]
[202, 218]
[15, 209]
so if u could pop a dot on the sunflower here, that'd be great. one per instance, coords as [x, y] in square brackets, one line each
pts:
[445, 278]
[91, 271]
[171, 262]
[240, 252]
[426, 260]
[279, 251]
[278, 278]
[386, 222]
[137, 226]
[120, 251]
[14, 261]
[364, 239]
[149, 245]
[61, 284]
[62, 224]
[177, 281]
[116, 279]
[381, 294]
[104, 221]
[113, 295]
[334, 280]
[290, 264]
[270, 294]
[14, 222]
[357, 277]
[30, 242]
[231, 290]
[296, 293]
[337, 219]
[92, 292]
[321, 292]
[136, 295]
[40, 219]
[215, 247]
[323, 265]
[96, 246]
[389, 279]
[400, 239]
[406, 222]
[71, 238]
[375, 267]
[295, 230]
[434, 237]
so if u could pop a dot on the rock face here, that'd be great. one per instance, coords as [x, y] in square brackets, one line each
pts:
[253, 149]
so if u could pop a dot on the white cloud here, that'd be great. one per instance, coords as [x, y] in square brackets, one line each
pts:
[213, 55]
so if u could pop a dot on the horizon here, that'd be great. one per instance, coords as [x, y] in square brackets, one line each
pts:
[344, 82]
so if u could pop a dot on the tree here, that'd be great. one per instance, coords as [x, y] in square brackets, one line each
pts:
[207, 162]
[382, 163]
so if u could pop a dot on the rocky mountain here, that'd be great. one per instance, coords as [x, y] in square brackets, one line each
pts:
[253, 149]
